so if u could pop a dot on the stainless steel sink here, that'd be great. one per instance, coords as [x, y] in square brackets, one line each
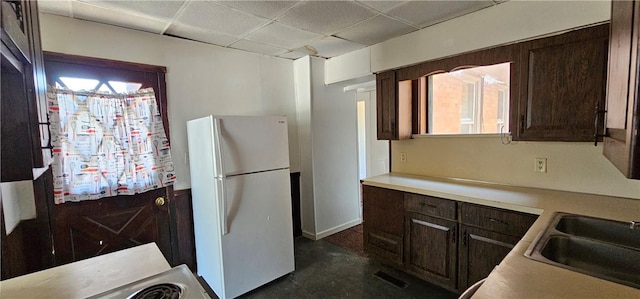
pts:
[605, 230]
[597, 247]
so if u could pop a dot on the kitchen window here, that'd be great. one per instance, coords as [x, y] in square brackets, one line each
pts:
[472, 100]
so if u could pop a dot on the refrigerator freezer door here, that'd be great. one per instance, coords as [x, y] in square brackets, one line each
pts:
[252, 143]
[259, 245]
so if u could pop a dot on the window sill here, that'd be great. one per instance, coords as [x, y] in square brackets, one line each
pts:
[492, 135]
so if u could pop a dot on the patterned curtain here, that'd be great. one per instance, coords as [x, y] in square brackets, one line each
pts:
[107, 144]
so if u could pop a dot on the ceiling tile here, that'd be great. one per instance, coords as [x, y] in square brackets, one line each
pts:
[283, 36]
[56, 7]
[297, 53]
[382, 6]
[330, 46]
[113, 17]
[375, 30]
[326, 17]
[198, 34]
[255, 47]
[425, 13]
[218, 18]
[160, 9]
[267, 9]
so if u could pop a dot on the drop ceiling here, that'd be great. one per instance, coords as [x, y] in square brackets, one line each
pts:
[287, 29]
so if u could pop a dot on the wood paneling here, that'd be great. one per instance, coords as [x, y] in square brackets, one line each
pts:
[184, 229]
[295, 204]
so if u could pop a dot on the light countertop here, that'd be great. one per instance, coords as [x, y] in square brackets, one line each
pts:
[88, 277]
[517, 276]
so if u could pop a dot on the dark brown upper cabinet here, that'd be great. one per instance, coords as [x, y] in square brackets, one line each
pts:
[622, 143]
[23, 92]
[393, 105]
[562, 86]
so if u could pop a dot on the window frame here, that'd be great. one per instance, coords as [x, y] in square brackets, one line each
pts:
[484, 57]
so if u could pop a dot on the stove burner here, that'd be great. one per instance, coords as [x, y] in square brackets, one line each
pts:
[159, 291]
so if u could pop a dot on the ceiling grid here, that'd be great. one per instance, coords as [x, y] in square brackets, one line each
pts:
[287, 29]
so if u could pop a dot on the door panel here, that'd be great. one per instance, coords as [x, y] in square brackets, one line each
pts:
[90, 228]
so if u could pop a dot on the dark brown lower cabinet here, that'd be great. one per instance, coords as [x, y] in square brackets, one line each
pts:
[447, 243]
[383, 218]
[479, 252]
[430, 249]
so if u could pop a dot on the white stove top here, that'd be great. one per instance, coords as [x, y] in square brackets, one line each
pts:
[177, 282]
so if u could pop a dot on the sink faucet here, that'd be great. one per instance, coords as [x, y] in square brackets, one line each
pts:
[635, 225]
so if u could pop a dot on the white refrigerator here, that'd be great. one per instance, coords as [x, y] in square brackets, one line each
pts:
[240, 185]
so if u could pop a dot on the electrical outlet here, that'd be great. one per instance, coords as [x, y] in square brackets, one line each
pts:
[540, 165]
[403, 157]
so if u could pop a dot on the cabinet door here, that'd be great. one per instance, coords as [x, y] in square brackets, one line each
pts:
[14, 125]
[393, 106]
[383, 221]
[562, 85]
[480, 251]
[430, 249]
[621, 144]
[386, 105]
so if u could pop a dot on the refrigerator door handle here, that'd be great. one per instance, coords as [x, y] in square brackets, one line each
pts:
[220, 176]
[223, 206]
[218, 149]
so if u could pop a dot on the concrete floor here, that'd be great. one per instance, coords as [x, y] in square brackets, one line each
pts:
[324, 270]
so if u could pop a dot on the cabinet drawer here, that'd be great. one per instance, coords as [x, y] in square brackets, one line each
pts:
[428, 205]
[497, 220]
[385, 246]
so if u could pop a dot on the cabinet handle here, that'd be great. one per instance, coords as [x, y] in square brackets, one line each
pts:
[498, 221]
[596, 125]
[429, 205]
[464, 238]
[453, 235]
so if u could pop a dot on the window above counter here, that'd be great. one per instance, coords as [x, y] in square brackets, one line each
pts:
[546, 89]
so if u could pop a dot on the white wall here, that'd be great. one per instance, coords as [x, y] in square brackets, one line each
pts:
[578, 167]
[302, 78]
[377, 151]
[500, 24]
[18, 203]
[201, 79]
[571, 166]
[328, 144]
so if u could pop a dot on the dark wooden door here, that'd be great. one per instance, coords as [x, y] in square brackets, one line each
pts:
[480, 251]
[90, 228]
[430, 249]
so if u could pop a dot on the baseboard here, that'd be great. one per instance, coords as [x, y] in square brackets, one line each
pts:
[332, 230]
[309, 235]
